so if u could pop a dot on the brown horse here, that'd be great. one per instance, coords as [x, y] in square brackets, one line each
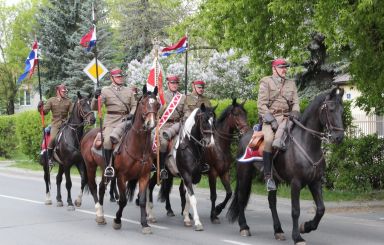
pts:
[132, 160]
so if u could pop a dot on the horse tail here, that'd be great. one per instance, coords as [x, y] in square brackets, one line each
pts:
[242, 192]
[165, 189]
[131, 187]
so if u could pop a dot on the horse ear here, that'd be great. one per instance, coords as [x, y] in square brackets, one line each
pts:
[156, 90]
[234, 102]
[337, 92]
[202, 107]
[79, 95]
[214, 108]
[145, 89]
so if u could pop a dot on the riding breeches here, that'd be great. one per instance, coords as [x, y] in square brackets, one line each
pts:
[269, 135]
[107, 144]
[54, 131]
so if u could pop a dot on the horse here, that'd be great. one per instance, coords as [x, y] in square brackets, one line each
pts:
[67, 149]
[131, 159]
[195, 136]
[232, 119]
[302, 164]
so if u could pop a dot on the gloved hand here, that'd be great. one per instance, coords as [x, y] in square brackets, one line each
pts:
[40, 105]
[294, 115]
[97, 93]
[129, 117]
[270, 119]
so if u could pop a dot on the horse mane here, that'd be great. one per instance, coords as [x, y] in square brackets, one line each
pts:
[226, 111]
[189, 123]
[313, 106]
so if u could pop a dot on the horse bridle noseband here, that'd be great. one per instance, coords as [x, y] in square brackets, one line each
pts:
[82, 114]
[144, 114]
[328, 124]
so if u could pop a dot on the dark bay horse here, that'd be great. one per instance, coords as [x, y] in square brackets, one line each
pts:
[302, 164]
[67, 149]
[195, 136]
[132, 162]
[232, 119]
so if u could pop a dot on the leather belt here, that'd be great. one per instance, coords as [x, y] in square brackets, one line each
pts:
[117, 112]
[280, 111]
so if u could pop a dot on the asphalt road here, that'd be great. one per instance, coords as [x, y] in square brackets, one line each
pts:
[24, 219]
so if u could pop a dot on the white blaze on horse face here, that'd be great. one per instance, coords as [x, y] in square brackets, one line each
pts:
[151, 100]
[212, 141]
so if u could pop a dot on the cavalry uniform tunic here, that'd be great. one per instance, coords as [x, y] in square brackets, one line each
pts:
[194, 101]
[173, 123]
[119, 102]
[60, 107]
[279, 97]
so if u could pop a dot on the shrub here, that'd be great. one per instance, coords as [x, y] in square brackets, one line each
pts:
[8, 141]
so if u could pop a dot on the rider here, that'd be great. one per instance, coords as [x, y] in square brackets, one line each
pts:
[120, 103]
[172, 113]
[194, 101]
[277, 99]
[60, 106]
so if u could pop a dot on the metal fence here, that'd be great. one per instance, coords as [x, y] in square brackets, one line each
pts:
[365, 127]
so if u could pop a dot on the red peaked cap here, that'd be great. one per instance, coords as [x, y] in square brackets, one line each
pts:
[116, 72]
[280, 62]
[172, 78]
[61, 87]
[199, 82]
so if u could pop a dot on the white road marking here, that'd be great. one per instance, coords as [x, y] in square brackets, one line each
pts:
[234, 242]
[382, 218]
[85, 211]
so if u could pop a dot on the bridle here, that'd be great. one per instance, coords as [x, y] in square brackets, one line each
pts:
[241, 127]
[82, 113]
[153, 110]
[324, 109]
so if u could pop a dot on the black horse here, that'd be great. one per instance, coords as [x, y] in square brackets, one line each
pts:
[195, 136]
[302, 164]
[232, 120]
[67, 148]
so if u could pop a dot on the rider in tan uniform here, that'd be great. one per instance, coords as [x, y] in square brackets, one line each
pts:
[277, 100]
[171, 127]
[60, 106]
[193, 101]
[120, 104]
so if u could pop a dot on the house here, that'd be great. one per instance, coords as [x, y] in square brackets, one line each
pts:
[28, 98]
[365, 124]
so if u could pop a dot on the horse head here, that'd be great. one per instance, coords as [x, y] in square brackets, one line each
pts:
[84, 109]
[331, 112]
[239, 116]
[147, 107]
[205, 119]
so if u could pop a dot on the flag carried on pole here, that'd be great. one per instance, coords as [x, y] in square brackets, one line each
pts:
[180, 47]
[89, 40]
[155, 78]
[30, 63]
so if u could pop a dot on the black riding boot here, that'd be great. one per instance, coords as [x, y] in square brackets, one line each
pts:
[50, 156]
[109, 171]
[267, 159]
[163, 171]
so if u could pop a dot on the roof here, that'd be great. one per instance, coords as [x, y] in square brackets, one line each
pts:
[342, 79]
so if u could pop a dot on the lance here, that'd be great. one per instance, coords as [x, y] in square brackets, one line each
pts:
[186, 68]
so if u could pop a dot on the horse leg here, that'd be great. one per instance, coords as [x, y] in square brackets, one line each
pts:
[279, 233]
[47, 179]
[84, 181]
[213, 196]
[151, 216]
[122, 201]
[91, 175]
[193, 203]
[228, 192]
[244, 186]
[295, 202]
[317, 194]
[68, 185]
[165, 193]
[143, 184]
[59, 179]
[102, 187]
[113, 195]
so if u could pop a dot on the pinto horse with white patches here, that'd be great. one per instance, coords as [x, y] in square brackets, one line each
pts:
[195, 135]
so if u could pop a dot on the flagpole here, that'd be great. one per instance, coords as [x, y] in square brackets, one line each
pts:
[186, 72]
[157, 127]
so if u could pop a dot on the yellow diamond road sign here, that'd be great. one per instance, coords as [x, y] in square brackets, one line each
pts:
[90, 70]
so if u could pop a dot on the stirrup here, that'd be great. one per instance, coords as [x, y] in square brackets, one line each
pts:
[50, 163]
[204, 168]
[271, 186]
[109, 172]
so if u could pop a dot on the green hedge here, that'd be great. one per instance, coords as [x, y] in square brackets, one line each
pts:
[8, 141]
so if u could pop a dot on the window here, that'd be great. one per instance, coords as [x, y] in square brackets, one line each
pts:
[25, 97]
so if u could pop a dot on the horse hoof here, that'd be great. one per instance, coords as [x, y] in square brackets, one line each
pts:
[116, 226]
[48, 202]
[301, 243]
[280, 236]
[152, 220]
[59, 204]
[112, 199]
[199, 228]
[71, 208]
[100, 220]
[170, 213]
[215, 221]
[78, 203]
[187, 223]
[302, 228]
[146, 230]
[245, 233]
